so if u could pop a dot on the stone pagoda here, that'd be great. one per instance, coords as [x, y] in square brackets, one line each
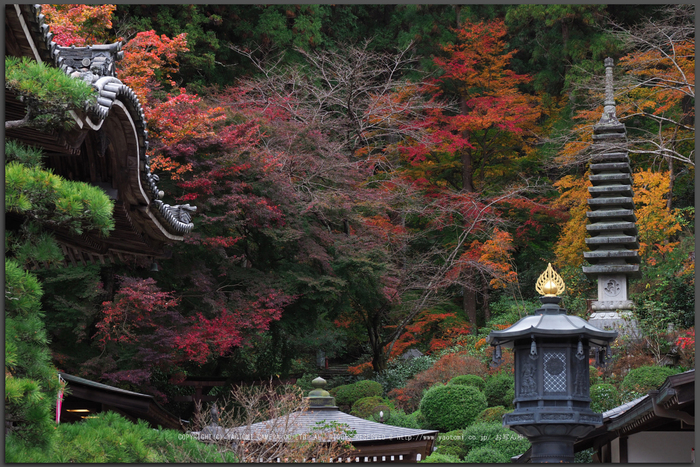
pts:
[613, 244]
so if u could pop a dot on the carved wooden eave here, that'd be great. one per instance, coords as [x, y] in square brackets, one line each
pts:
[107, 146]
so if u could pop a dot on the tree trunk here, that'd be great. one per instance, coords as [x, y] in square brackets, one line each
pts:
[671, 180]
[467, 168]
[487, 300]
[17, 123]
[469, 306]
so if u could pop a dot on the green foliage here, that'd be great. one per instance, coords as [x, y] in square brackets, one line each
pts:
[439, 458]
[48, 92]
[398, 417]
[497, 389]
[347, 394]
[369, 406]
[645, 378]
[485, 455]
[110, 438]
[451, 443]
[584, 457]
[604, 396]
[31, 382]
[26, 155]
[452, 407]
[399, 371]
[51, 199]
[43, 199]
[469, 380]
[492, 414]
[496, 436]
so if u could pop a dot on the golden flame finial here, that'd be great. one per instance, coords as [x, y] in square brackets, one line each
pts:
[550, 284]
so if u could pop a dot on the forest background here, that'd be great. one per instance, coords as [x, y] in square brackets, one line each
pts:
[374, 178]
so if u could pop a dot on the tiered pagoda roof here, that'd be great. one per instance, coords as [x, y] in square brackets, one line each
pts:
[612, 223]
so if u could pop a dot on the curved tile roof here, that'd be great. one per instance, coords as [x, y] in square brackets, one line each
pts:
[95, 64]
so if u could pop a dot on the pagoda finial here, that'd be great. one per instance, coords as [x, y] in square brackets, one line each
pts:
[609, 113]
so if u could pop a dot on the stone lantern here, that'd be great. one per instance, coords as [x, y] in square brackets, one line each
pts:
[551, 348]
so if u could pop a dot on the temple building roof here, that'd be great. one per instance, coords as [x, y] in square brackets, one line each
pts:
[108, 146]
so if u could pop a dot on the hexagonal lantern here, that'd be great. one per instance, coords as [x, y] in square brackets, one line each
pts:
[552, 401]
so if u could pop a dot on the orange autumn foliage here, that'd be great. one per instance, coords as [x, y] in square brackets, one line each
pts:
[432, 330]
[572, 240]
[654, 221]
[79, 25]
[447, 367]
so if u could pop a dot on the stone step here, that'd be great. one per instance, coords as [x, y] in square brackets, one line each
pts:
[626, 241]
[627, 228]
[601, 179]
[631, 270]
[611, 167]
[609, 136]
[611, 156]
[608, 128]
[610, 214]
[612, 202]
[610, 190]
[600, 256]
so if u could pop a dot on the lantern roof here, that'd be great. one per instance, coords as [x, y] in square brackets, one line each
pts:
[551, 321]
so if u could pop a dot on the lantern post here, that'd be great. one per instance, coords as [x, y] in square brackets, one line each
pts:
[551, 348]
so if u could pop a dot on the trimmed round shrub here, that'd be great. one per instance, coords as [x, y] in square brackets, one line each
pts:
[469, 380]
[399, 418]
[437, 458]
[646, 378]
[347, 394]
[368, 406]
[604, 397]
[496, 436]
[492, 414]
[496, 390]
[451, 443]
[485, 455]
[452, 407]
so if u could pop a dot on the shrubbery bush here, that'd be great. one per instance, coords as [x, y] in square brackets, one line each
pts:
[347, 394]
[496, 436]
[399, 371]
[398, 417]
[486, 455]
[469, 380]
[452, 407]
[492, 414]
[646, 378]
[446, 368]
[113, 439]
[604, 397]
[497, 390]
[437, 458]
[451, 443]
[367, 406]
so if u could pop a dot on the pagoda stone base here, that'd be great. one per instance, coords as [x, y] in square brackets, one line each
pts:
[612, 288]
[623, 322]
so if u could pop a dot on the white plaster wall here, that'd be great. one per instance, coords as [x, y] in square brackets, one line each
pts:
[660, 446]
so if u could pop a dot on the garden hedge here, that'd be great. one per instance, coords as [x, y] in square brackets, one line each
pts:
[486, 455]
[451, 407]
[368, 406]
[347, 394]
[496, 436]
[499, 390]
[469, 380]
[604, 397]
